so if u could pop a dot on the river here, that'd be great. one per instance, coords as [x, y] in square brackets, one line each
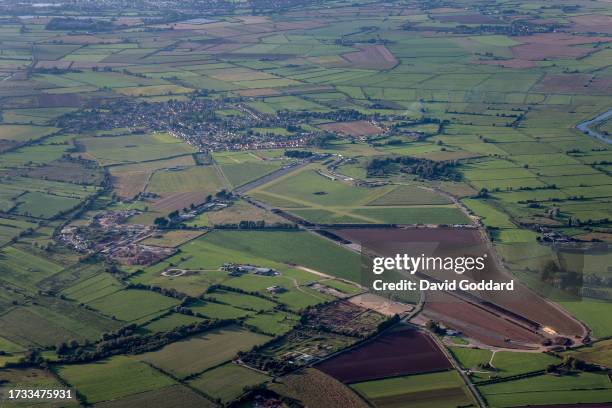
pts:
[584, 126]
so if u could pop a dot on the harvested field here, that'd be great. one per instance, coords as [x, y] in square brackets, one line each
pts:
[592, 23]
[597, 353]
[130, 179]
[479, 324]
[242, 211]
[172, 239]
[560, 83]
[128, 185]
[179, 201]
[522, 306]
[66, 171]
[552, 45]
[371, 57]
[354, 128]
[316, 389]
[401, 351]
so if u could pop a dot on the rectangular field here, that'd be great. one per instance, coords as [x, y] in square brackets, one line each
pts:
[399, 352]
[201, 352]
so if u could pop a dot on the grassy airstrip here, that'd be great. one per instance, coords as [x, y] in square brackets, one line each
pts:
[316, 198]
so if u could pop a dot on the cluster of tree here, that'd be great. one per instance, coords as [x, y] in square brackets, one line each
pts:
[298, 154]
[214, 288]
[435, 328]
[423, 121]
[128, 342]
[170, 292]
[424, 168]
[341, 115]
[323, 139]
[266, 363]
[30, 358]
[390, 142]
[253, 393]
[55, 70]
[558, 277]
[517, 27]
[571, 364]
[78, 24]
[388, 323]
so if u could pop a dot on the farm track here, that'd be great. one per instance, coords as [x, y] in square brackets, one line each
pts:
[466, 379]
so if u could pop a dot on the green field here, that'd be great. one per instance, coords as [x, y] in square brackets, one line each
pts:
[409, 113]
[130, 305]
[175, 394]
[242, 301]
[21, 133]
[549, 389]
[410, 195]
[242, 173]
[113, 378]
[203, 179]
[217, 310]
[130, 149]
[32, 378]
[265, 248]
[201, 352]
[302, 189]
[227, 382]
[23, 269]
[503, 363]
[273, 323]
[170, 322]
[52, 321]
[443, 389]
[594, 313]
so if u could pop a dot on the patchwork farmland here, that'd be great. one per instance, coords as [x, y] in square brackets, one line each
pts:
[185, 188]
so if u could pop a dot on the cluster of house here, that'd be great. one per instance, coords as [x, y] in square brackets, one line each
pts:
[138, 254]
[214, 205]
[110, 235]
[241, 269]
[236, 270]
[105, 232]
[549, 235]
[196, 122]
